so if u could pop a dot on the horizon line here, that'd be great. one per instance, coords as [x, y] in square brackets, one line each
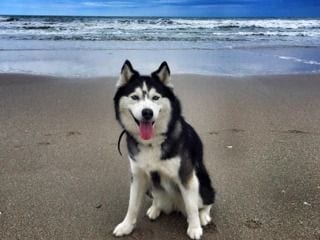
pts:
[138, 16]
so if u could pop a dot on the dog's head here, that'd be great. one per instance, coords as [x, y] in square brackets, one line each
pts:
[143, 104]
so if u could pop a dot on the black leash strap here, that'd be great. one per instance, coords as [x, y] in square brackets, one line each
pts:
[119, 141]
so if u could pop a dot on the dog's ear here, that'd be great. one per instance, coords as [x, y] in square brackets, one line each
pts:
[127, 72]
[163, 74]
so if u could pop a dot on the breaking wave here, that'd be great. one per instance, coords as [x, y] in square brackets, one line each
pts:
[290, 31]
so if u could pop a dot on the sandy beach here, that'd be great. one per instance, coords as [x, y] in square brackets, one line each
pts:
[61, 176]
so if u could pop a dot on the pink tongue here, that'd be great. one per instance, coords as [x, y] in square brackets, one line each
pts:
[146, 130]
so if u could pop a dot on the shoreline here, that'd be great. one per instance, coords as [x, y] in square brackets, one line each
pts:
[74, 59]
[179, 75]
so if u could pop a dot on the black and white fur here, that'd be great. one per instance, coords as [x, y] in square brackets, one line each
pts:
[169, 165]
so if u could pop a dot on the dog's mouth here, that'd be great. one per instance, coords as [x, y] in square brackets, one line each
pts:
[146, 128]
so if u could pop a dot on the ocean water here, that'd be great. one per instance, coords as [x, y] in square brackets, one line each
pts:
[97, 46]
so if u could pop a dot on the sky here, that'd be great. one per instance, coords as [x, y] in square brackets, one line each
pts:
[170, 8]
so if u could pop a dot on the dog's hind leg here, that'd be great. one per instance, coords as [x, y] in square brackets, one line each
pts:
[154, 211]
[204, 215]
[161, 203]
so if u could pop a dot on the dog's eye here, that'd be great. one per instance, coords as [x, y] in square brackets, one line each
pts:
[155, 98]
[135, 97]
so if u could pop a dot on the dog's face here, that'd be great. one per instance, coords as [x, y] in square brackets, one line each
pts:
[143, 104]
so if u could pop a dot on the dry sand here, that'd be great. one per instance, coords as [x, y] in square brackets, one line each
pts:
[61, 176]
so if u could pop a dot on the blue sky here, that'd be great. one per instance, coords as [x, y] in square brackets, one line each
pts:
[195, 8]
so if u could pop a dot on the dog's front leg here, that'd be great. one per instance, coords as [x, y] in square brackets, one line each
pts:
[190, 195]
[137, 190]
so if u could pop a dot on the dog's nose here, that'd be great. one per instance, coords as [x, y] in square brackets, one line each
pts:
[147, 114]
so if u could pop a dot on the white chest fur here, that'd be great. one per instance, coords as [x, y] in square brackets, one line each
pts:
[148, 160]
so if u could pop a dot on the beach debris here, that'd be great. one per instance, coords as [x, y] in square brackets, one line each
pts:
[229, 147]
[43, 143]
[296, 131]
[236, 130]
[73, 133]
[99, 206]
[307, 204]
[253, 223]
[213, 132]
[0, 213]
[283, 191]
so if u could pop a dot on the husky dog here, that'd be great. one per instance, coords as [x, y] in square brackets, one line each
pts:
[165, 152]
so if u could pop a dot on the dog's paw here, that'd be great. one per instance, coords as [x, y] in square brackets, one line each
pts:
[205, 218]
[122, 229]
[153, 212]
[194, 232]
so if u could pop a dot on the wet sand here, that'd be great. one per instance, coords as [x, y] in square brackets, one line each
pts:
[61, 176]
